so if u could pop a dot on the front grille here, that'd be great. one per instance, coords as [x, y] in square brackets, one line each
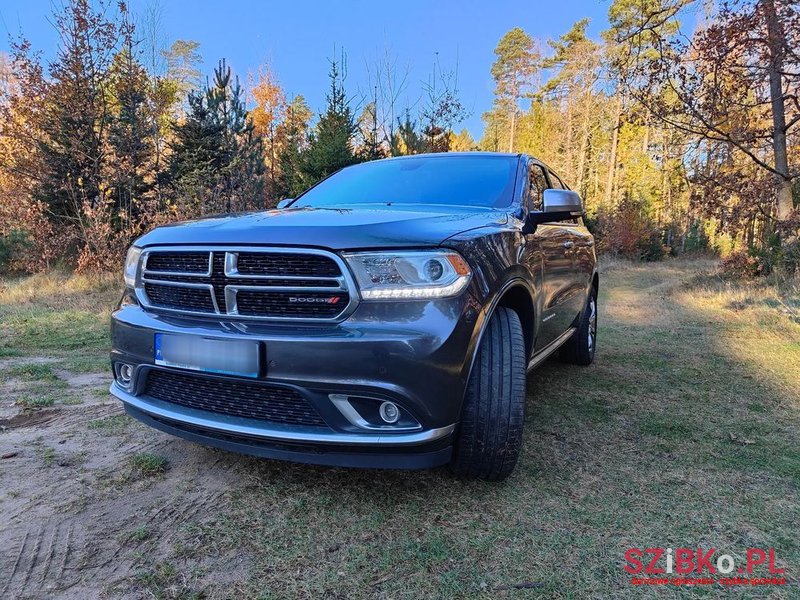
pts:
[178, 262]
[299, 305]
[255, 263]
[170, 296]
[237, 398]
[268, 283]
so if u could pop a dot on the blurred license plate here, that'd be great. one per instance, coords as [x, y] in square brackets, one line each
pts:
[229, 357]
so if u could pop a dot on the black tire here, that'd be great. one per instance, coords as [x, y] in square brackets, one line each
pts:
[581, 347]
[490, 434]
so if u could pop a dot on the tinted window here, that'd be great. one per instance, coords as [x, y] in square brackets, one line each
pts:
[555, 182]
[537, 184]
[455, 180]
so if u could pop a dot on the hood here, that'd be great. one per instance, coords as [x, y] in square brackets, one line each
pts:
[340, 228]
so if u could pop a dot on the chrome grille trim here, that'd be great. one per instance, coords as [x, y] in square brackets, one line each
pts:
[344, 282]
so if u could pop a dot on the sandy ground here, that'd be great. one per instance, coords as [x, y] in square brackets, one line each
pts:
[72, 505]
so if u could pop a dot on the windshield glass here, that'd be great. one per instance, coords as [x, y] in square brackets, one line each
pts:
[480, 180]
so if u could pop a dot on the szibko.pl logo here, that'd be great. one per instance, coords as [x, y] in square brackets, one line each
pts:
[696, 566]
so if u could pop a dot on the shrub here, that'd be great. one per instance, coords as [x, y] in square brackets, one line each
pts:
[741, 264]
[697, 240]
[627, 230]
[756, 262]
[12, 248]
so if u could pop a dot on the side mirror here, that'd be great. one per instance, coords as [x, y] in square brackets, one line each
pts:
[558, 205]
[562, 201]
[285, 202]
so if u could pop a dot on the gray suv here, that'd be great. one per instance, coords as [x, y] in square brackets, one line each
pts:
[384, 318]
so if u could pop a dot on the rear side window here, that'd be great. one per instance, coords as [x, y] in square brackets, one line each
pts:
[537, 184]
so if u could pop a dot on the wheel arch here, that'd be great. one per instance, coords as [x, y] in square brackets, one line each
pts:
[518, 298]
[517, 295]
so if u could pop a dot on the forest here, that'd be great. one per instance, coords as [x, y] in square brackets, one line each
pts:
[679, 127]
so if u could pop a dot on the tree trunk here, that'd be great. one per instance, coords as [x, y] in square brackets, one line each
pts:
[612, 162]
[513, 127]
[582, 152]
[776, 38]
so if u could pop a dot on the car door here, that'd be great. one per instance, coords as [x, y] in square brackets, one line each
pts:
[556, 264]
[584, 260]
[578, 244]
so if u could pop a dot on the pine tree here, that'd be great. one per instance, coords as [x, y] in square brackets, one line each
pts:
[73, 113]
[406, 138]
[462, 142]
[131, 155]
[331, 144]
[197, 157]
[243, 170]
[217, 162]
[293, 135]
[517, 61]
[372, 147]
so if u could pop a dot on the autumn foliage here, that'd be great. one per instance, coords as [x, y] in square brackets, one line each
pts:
[679, 136]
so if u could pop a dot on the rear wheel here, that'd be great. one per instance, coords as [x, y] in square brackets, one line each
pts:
[490, 434]
[581, 347]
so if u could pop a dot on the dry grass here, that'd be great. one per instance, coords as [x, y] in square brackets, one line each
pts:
[60, 290]
[684, 433]
[64, 316]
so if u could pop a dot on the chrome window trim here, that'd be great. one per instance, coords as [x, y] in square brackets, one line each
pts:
[346, 282]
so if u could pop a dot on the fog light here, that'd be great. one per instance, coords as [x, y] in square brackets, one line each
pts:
[389, 412]
[125, 374]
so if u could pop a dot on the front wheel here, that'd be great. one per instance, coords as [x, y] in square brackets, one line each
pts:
[581, 347]
[490, 434]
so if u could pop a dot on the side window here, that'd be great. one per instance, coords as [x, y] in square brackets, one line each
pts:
[555, 182]
[536, 186]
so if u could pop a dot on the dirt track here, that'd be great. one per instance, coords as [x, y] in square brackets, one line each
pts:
[73, 505]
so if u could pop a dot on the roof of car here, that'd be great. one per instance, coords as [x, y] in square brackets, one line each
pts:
[476, 153]
[451, 154]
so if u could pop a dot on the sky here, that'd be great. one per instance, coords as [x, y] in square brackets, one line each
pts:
[296, 37]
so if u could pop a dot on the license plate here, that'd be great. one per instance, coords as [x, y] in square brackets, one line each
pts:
[227, 357]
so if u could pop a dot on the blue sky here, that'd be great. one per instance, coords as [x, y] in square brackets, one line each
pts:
[296, 37]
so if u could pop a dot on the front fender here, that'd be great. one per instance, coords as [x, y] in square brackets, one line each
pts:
[495, 260]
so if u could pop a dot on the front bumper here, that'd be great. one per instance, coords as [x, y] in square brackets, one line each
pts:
[402, 451]
[416, 354]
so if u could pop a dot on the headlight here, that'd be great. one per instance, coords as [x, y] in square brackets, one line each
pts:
[409, 275]
[132, 265]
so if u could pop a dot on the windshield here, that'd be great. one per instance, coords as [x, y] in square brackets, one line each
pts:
[480, 180]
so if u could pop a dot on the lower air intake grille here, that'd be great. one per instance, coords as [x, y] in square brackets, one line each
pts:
[251, 400]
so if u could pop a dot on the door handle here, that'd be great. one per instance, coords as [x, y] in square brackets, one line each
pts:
[568, 245]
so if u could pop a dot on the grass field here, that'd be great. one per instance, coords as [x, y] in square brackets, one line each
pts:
[684, 433]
